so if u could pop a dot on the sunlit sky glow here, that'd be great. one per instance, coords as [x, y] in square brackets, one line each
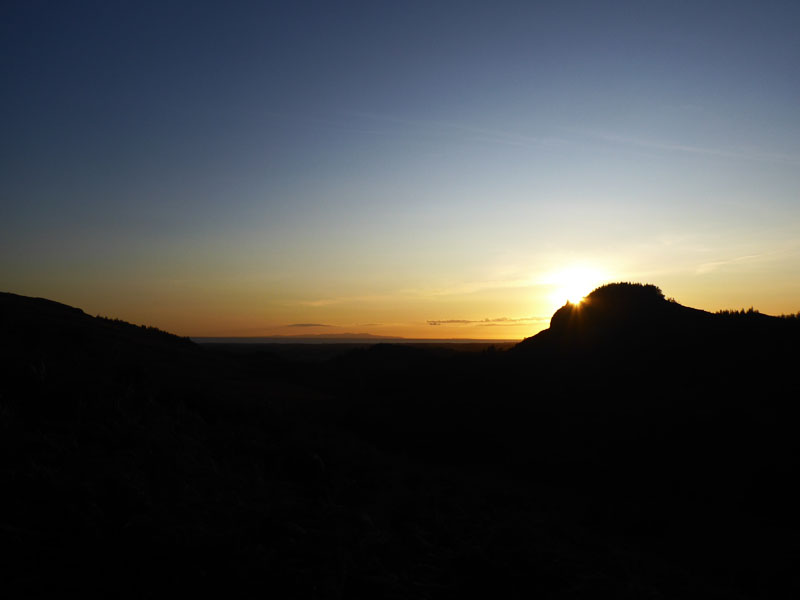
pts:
[425, 169]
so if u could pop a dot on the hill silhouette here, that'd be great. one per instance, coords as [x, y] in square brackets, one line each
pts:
[636, 448]
[631, 315]
[631, 331]
[41, 334]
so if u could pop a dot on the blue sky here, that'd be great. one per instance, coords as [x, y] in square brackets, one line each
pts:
[213, 169]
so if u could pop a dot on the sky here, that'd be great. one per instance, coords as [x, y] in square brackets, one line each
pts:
[425, 169]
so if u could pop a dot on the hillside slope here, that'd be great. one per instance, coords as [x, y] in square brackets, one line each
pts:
[635, 449]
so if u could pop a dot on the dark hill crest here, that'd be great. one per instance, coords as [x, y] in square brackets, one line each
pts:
[627, 291]
[621, 310]
[613, 304]
[634, 318]
[26, 318]
[46, 334]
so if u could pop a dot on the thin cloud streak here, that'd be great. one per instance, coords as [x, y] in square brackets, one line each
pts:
[464, 288]
[707, 267]
[496, 321]
[344, 299]
[713, 265]
[778, 157]
[477, 286]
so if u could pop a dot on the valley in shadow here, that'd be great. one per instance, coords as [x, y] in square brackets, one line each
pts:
[637, 448]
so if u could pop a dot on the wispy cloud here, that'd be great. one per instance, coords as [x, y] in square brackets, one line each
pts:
[308, 325]
[708, 267]
[451, 322]
[512, 324]
[455, 289]
[333, 300]
[790, 248]
[742, 153]
[496, 321]
[470, 287]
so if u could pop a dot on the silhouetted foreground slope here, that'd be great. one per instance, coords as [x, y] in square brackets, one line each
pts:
[635, 449]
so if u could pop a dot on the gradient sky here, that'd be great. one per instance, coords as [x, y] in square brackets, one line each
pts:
[427, 169]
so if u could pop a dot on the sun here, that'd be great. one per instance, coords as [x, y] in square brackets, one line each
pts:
[573, 283]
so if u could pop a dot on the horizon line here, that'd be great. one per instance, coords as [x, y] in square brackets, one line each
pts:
[366, 338]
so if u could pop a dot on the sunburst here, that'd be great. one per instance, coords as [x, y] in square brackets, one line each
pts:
[573, 283]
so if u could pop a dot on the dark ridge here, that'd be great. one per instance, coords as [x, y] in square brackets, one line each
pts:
[62, 341]
[637, 448]
[631, 318]
[37, 321]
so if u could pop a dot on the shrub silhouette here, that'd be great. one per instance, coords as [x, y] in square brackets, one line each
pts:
[738, 313]
[626, 292]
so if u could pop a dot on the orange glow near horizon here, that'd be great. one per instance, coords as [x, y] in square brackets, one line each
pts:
[465, 185]
[504, 300]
